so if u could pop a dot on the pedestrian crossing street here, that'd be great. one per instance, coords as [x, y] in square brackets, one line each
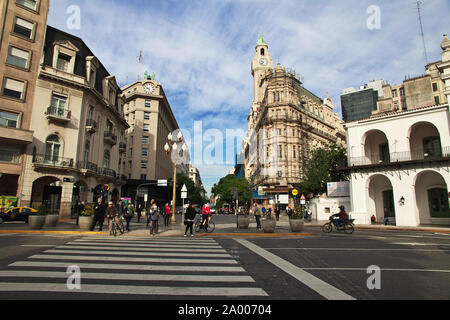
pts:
[133, 266]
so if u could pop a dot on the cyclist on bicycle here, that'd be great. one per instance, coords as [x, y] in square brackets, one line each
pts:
[206, 213]
[111, 214]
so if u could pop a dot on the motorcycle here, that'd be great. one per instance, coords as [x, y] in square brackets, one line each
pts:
[346, 226]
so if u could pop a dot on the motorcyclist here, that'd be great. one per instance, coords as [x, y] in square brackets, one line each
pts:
[341, 217]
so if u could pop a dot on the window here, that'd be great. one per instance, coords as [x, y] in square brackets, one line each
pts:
[395, 93]
[436, 100]
[30, 4]
[24, 28]
[58, 103]
[18, 57]
[14, 88]
[280, 151]
[144, 152]
[146, 128]
[295, 152]
[143, 177]
[8, 119]
[435, 87]
[432, 147]
[145, 140]
[106, 159]
[63, 62]
[438, 202]
[86, 152]
[146, 115]
[10, 155]
[143, 164]
[402, 92]
[148, 103]
[52, 147]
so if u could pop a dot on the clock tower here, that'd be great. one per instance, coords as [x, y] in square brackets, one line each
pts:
[261, 64]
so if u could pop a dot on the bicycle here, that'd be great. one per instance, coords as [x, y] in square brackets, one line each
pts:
[117, 227]
[210, 225]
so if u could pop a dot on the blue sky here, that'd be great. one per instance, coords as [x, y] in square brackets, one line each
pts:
[201, 50]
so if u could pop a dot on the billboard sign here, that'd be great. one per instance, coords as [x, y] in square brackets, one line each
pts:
[338, 189]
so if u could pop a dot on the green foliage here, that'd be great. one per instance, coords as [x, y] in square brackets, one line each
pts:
[322, 168]
[224, 190]
[194, 193]
[297, 213]
[87, 211]
[42, 210]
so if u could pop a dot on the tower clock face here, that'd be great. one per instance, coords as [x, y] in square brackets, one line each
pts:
[263, 61]
[149, 88]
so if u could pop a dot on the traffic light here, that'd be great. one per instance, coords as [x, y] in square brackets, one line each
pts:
[106, 187]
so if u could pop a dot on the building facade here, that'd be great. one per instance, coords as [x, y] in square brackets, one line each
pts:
[286, 123]
[359, 104]
[78, 144]
[150, 119]
[399, 159]
[22, 31]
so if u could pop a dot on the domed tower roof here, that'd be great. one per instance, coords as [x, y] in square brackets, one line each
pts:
[261, 40]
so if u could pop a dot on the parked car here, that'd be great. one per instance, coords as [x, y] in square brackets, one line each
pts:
[17, 214]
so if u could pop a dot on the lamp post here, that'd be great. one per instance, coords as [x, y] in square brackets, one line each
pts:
[172, 147]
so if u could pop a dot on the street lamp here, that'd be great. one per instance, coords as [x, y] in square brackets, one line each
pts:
[171, 147]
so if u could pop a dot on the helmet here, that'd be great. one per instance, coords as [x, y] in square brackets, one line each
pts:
[341, 207]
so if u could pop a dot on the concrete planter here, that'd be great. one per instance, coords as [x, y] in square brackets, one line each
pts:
[36, 222]
[243, 222]
[51, 220]
[85, 223]
[296, 225]
[269, 225]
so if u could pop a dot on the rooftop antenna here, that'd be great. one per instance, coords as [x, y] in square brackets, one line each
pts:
[421, 30]
[140, 59]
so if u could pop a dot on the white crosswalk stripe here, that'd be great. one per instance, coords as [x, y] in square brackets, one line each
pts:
[133, 266]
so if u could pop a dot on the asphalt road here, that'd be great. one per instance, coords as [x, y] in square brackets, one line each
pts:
[405, 265]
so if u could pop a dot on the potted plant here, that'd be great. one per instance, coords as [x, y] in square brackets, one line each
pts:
[296, 220]
[243, 219]
[37, 221]
[86, 217]
[269, 223]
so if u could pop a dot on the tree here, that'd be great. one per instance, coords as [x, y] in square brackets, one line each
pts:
[323, 168]
[224, 190]
[194, 193]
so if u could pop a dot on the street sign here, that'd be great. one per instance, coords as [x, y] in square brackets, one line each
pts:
[303, 197]
[162, 183]
[295, 192]
[183, 195]
[184, 189]
[145, 197]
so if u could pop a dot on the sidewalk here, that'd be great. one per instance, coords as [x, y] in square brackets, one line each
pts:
[223, 229]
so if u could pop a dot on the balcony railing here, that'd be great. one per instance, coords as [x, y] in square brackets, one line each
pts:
[53, 161]
[58, 114]
[91, 126]
[397, 157]
[10, 156]
[86, 165]
[107, 172]
[110, 137]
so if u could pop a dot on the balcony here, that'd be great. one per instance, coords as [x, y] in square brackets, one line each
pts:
[17, 136]
[107, 172]
[122, 147]
[396, 158]
[87, 168]
[91, 126]
[52, 162]
[110, 138]
[57, 115]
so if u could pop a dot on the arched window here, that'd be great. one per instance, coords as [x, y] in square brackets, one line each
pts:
[86, 152]
[106, 159]
[52, 148]
[262, 51]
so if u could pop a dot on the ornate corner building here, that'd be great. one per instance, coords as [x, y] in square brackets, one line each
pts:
[285, 124]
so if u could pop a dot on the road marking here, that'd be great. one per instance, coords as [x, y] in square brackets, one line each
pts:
[154, 245]
[128, 276]
[421, 244]
[132, 259]
[37, 245]
[324, 289]
[135, 267]
[136, 253]
[89, 247]
[383, 269]
[142, 240]
[359, 249]
[134, 290]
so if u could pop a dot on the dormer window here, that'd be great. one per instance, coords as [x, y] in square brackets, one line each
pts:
[64, 55]
[91, 69]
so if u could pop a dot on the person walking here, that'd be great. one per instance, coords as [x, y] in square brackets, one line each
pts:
[257, 213]
[79, 208]
[148, 209]
[139, 212]
[99, 215]
[189, 219]
[277, 213]
[166, 215]
[128, 214]
[154, 214]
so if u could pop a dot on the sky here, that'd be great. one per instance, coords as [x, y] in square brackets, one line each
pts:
[201, 53]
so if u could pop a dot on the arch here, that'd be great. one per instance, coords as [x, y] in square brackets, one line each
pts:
[381, 201]
[47, 190]
[431, 193]
[424, 140]
[375, 147]
[262, 51]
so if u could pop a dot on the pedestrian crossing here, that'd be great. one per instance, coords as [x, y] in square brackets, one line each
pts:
[157, 267]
